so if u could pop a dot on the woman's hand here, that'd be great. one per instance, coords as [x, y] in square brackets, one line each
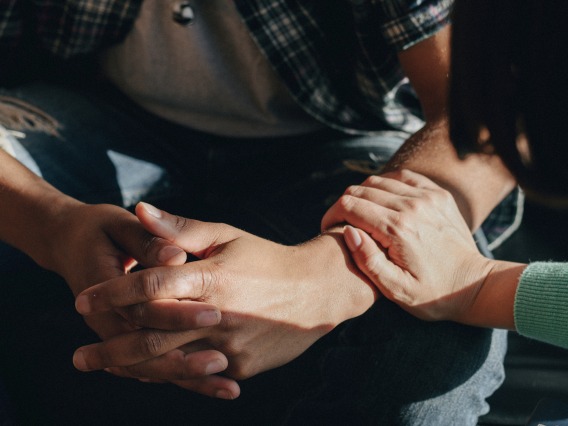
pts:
[413, 244]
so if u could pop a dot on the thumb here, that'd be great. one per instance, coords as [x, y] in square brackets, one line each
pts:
[196, 237]
[373, 262]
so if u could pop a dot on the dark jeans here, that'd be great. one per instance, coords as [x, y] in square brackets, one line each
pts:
[383, 368]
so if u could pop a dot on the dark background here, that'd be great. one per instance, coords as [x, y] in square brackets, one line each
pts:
[534, 370]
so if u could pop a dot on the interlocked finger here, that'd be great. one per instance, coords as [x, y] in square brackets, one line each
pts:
[184, 282]
[176, 365]
[131, 348]
[172, 314]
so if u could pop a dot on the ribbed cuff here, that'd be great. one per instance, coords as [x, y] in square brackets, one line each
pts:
[408, 23]
[541, 303]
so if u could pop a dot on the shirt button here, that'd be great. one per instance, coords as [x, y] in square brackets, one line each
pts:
[182, 13]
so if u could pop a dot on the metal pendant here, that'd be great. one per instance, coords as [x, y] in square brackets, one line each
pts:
[182, 13]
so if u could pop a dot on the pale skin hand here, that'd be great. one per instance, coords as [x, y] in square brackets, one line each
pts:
[276, 300]
[415, 246]
[431, 153]
[86, 244]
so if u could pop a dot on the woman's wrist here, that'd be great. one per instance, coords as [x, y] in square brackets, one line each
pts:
[494, 303]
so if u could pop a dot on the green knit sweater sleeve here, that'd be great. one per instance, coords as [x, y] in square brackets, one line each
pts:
[541, 303]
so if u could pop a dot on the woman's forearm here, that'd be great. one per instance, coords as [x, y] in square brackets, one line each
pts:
[494, 303]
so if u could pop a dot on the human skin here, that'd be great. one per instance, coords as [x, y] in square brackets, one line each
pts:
[429, 151]
[86, 244]
[413, 244]
[266, 292]
[44, 223]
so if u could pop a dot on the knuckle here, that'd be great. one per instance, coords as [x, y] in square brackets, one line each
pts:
[353, 190]
[397, 225]
[373, 181]
[181, 223]
[396, 174]
[372, 264]
[444, 194]
[232, 348]
[151, 343]
[402, 295]
[240, 370]
[151, 285]
[412, 204]
[209, 277]
[430, 197]
[241, 374]
[346, 203]
[406, 175]
[136, 314]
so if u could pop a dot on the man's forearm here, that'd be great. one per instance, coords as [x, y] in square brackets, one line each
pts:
[478, 183]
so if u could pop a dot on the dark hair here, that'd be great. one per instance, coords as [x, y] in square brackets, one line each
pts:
[509, 77]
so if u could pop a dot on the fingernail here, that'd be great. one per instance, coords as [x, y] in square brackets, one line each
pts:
[153, 211]
[83, 304]
[168, 253]
[79, 361]
[208, 318]
[215, 367]
[352, 238]
[223, 394]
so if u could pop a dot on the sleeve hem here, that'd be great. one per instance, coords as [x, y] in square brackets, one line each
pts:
[541, 303]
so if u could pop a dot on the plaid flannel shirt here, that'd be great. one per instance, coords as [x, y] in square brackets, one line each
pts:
[337, 57]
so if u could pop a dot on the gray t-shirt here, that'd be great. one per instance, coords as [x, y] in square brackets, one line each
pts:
[210, 76]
